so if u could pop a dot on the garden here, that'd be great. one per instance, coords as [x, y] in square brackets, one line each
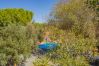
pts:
[72, 27]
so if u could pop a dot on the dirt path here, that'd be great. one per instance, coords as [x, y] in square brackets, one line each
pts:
[29, 61]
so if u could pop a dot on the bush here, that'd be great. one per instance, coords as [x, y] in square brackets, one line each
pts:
[41, 62]
[15, 15]
[73, 49]
[15, 42]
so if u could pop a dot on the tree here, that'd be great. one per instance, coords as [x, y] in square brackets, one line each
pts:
[15, 15]
[72, 16]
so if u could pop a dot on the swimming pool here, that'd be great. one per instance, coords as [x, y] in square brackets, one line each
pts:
[48, 46]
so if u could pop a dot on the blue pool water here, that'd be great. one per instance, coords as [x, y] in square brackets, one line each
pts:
[47, 46]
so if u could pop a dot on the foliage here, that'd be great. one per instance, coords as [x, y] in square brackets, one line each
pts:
[93, 4]
[71, 25]
[72, 15]
[38, 32]
[15, 15]
[15, 44]
[73, 49]
[41, 62]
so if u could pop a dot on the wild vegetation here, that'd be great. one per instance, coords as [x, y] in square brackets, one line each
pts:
[72, 25]
[16, 16]
[15, 38]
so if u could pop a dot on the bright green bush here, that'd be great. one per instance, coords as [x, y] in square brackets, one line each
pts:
[15, 15]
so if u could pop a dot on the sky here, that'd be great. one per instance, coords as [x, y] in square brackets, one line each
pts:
[40, 8]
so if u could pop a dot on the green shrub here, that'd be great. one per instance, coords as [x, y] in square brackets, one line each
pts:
[72, 48]
[15, 42]
[15, 15]
[42, 62]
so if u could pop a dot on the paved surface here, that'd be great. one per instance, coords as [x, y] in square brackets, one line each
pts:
[29, 61]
